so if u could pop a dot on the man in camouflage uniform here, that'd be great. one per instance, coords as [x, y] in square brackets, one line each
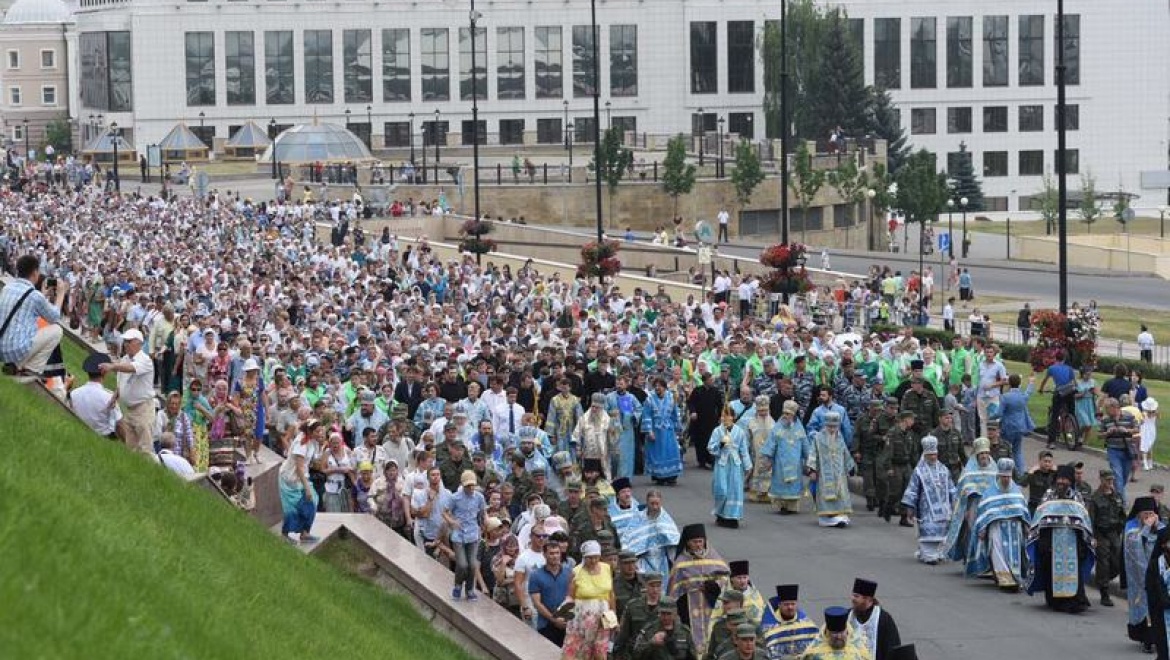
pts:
[588, 526]
[626, 585]
[639, 612]
[1081, 485]
[950, 444]
[746, 645]
[1040, 480]
[723, 635]
[802, 385]
[854, 397]
[869, 442]
[1107, 511]
[901, 446]
[921, 401]
[665, 639]
[455, 464]
[572, 506]
[999, 448]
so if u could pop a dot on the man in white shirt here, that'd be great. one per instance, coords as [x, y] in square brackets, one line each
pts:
[721, 287]
[530, 559]
[170, 460]
[92, 401]
[135, 391]
[948, 315]
[724, 223]
[1145, 342]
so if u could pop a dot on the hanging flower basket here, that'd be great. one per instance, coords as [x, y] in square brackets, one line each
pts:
[783, 255]
[475, 227]
[476, 245]
[792, 282]
[1055, 333]
[599, 259]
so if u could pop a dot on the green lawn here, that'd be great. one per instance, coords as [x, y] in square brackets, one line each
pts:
[1038, 406]
[109, 556]
[1106, 225]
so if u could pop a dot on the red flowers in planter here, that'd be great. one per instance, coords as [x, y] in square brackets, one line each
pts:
[788, 274]
[783, 255]
[1055, 332]
[599, 259]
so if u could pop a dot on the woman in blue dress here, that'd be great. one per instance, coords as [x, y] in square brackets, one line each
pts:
[730, 448]
[1086, 402]
[662, 424]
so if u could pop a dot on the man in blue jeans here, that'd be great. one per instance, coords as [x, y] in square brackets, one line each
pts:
[463, 514]
[1064, 390]
[549, 587]
[1120, 431]
[1014, 421]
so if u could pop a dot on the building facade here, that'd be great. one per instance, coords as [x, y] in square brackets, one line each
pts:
[35, 73]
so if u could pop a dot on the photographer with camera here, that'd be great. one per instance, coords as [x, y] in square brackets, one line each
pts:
[25, 349]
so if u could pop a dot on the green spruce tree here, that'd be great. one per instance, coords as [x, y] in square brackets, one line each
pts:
[678, 176]
[836, 95]
[747, 174]
[964, 183]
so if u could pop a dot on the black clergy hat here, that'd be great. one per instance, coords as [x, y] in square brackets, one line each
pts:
[1141, 505]
[620, 483]
[1067, 472]
[864, 587]
[591, 465]
[738, 567]
[787, 592]
[93, 363]
[916, 365]
[836, 619]
[904, 652]
[693, 531]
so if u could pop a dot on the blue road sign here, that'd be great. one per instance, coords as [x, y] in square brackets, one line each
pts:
[944, 241]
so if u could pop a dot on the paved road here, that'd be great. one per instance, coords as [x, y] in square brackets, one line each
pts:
[945, 615]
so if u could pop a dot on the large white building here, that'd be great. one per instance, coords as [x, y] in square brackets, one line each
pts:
[980, 73]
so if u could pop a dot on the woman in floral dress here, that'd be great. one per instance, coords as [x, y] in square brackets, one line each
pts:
[249, 398]
[198, 409]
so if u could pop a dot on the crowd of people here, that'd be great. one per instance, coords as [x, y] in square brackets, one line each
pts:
[496, 418]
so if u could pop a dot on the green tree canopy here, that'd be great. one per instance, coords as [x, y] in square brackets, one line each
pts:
[882, 121]
[678, 176]
[747, 174]
[963, 181]
[922, 190]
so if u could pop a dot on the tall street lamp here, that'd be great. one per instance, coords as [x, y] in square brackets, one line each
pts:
[569, 133]
[410, 137]
[347, 119]
[596, 116]
[719, 165]
[1061, 161]
[784, 130]
[438, 139]
[963, 206]
[565, 123]
[1162, 221]
[370, 123]
[870, 193]
[272, 136]
[474, 17]
[26, 158]
[951, 228]
[114, 138]
[608, 118]
[702, 135]
[423, 128]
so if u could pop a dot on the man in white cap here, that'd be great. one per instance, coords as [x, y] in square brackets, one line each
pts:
[930, 499]
[135, 391]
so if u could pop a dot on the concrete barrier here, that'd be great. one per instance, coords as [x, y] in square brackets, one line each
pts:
[482, 628]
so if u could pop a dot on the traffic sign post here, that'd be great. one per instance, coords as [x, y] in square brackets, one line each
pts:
[944, 241]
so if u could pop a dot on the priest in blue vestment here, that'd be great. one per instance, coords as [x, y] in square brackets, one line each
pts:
[929, 500]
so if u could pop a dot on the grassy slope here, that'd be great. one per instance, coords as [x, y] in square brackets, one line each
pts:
[1038, 406]
[108, 556]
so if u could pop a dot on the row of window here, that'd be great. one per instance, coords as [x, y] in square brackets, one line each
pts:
[433, 52]
[48, 95]
[960, 64]
[48, 59]
[1029, 162]
[923, 121]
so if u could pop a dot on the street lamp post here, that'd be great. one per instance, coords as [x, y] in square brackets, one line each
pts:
[410, 138]
[870, 193]
[569, 137]
[784, 131]
[114, 139]
[1162, 221]
[702, 135]
[951, 228]
[608, 117]
[347, 119]
[565, 123]
[370, 123]
[201, 117]
[437, 141]
[26, 158]
[719, 165]
[474, 17]
[1061, 162]
[272, 136]
[424, 150]
[596, 117]
[963, 206]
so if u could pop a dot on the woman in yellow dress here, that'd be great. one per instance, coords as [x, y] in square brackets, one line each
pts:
[591, 592]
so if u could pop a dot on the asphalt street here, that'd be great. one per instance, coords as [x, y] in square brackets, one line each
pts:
[947, 616]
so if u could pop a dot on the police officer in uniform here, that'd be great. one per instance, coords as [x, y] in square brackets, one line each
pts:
[1107, 511]
[626, 585]
[900, 444]
[950, 444]
[639, 612]
[665, 639]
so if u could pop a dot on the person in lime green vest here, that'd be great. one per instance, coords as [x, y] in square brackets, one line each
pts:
[754, 362]
[890, 369]
[932, 371]
[735, 361]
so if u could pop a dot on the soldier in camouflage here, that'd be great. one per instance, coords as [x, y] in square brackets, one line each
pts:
[639, 612]
[922, 401]
[665, 639]
[626, 585]
[900, 446]
[950, 444]
[1107, 511]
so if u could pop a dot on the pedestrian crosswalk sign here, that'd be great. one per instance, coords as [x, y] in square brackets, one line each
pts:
[944, 241]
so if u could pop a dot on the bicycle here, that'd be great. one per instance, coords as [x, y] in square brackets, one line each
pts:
[1068, 428]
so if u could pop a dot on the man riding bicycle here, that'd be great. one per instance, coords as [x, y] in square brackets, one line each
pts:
[1064, 383]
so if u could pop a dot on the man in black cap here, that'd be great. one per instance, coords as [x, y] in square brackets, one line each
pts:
[1141, 537]
[787, 630]
[704, 406]
[93, 403]
[835, 643]
[869, 619]
[698, 577]
[1107, 511]
[1060, 558]
[667, 638]
[639, 613]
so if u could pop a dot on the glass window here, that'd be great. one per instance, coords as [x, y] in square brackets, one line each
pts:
[549, 66]
[995, 163]
[121, 72]
[510, 63]
[887, 53]
[856, 30]
[397, 133]
[14, 96]
[995, 119]
[18, 132]
[742, 124]
[49, 95]
[923, 53]
[741, 57]
[1072, 49]
[468, 127]
[200, 49]
[625, 125]
[583, 129]
[1072, 158]
[14, 59]
[548, 131]
[1031, 50]
[436, 65]
[318, 66]
[279, 80]
[623, 60]
[357, 49]
[1072, 113]
[1031, 118]
[995, 51]
[481, 89]
[1032, 163]
[922, 121]
[48, 59]
[396, 64]
[960, 62]
[704, 58]
[511, 131]
[958, 120]
[240, 68]
[582, 61]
